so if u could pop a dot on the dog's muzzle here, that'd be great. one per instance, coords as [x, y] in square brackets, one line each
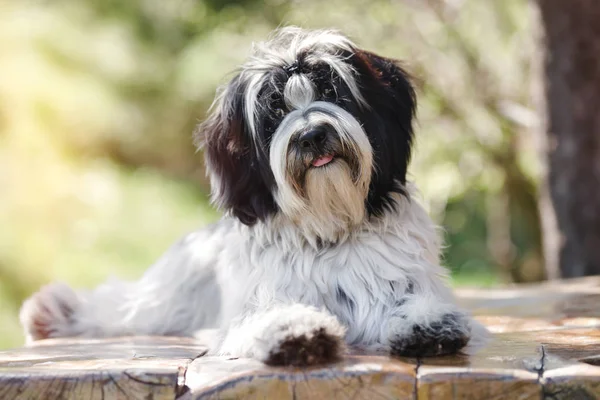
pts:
[319, 145]
[318, 136]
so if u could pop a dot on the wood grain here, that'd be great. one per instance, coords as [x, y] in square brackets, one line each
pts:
[122, 368]
[545, 345]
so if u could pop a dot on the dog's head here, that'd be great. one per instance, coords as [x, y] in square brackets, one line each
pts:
[312, 128]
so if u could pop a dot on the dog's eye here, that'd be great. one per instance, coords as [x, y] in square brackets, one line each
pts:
[329, 93]
[279, 112]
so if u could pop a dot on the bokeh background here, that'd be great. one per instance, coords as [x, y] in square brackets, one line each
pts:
[98, 99]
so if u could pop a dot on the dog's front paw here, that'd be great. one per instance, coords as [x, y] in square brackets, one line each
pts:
[448, 335]
[299, 336]
[311, 348]
[48, 312]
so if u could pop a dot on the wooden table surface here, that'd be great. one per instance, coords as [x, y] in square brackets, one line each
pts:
[546, 345]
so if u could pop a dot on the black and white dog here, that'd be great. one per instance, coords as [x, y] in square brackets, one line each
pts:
[323, 243]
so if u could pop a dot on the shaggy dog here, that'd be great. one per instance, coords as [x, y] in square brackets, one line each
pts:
[322, 245]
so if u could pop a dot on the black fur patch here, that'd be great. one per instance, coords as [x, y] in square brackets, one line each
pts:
[245, 181]
[392, 101]
[444, 337]
[299, 351]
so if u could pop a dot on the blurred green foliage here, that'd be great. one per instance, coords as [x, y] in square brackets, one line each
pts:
[98, 100]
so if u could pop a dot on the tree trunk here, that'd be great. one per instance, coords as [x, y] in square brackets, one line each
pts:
[571, 208]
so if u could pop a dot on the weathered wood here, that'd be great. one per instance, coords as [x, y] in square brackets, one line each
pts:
[123, 368]
[545, 345]
[355, 377]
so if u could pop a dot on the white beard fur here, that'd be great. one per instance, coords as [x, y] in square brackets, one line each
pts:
[262, 284]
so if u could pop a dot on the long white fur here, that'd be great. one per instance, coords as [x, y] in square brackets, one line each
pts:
[299, 92]
[201, 284]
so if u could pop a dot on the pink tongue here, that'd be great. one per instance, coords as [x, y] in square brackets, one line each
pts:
[319, 162]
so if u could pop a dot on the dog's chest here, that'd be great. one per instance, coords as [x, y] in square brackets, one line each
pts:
[357, 281]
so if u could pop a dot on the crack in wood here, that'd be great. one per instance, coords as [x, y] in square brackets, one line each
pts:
[138, 380]
[94, 382]
[114, 381]
[181, 387]
[541, 372]
[541, 369]
[416, 384]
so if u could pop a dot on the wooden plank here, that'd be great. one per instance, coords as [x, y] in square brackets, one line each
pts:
[123, 368]
[523, 365]
[546, 345]
[541, 331]
[565, 376]
[455, 383]
[142, 382]
[546, 306]
[507, 368]
[574, 382]
[356, 377]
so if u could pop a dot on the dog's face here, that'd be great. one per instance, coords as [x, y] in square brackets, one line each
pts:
[312, 128]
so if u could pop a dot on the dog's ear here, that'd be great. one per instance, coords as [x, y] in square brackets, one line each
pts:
[238, 169]
[388, 118]
[387, 90]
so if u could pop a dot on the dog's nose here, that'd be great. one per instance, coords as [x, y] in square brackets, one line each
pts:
[313, 139]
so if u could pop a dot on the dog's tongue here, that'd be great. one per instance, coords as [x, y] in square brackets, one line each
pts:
[319, 162]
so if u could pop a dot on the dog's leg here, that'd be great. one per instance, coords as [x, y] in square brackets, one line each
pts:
[295, 335]
[176, 296]
[426, 322]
